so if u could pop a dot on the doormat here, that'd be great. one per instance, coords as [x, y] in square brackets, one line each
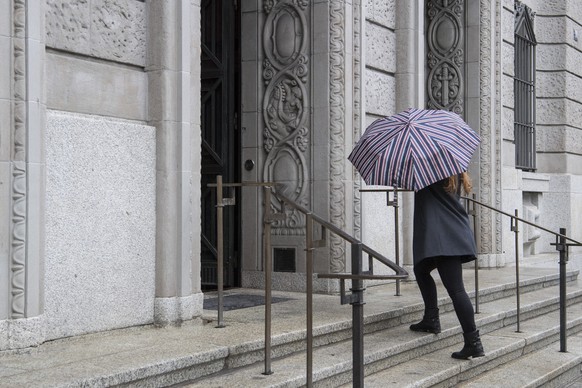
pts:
[239, 301]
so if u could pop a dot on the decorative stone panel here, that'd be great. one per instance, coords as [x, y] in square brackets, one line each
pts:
[488, 159]
[18, 173]
[286, 107]
[445, 38]
[108, 29]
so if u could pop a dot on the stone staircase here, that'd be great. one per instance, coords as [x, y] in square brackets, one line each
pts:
[201, 355]
[395, 356]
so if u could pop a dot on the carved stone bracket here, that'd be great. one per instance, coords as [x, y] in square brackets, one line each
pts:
[286, 105]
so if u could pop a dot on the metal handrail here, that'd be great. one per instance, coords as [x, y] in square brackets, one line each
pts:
[561, 245]
[401, 273]
[357, 276]
[356, 298]
[576, 243]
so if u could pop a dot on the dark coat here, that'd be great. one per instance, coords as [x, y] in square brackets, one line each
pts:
[441, 225]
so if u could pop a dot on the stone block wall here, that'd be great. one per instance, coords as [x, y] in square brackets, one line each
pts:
[96, 57]
[559, 85]
[379, 99]
[100, 224]
[100, 168]
[380, 59]
[108, 29]
[547, 196]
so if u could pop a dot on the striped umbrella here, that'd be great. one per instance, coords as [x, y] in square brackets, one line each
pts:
[414, 148]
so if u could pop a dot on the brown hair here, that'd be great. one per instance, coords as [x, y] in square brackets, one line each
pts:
[451, 185]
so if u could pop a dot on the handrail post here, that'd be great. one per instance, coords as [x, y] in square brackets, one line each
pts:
[267, 220]
[515, 229]
[309, 296]
[471, 211]
[396, 237]
[563, 248]
[357, 318]
[220, 250]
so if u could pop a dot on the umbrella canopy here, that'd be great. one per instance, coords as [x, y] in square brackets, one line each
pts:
[414, 149]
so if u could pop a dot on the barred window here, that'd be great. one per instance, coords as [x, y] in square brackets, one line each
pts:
[525, 89]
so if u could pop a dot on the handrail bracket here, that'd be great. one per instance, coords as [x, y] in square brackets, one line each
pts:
[349, 298]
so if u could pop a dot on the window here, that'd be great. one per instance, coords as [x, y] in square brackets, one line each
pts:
[525, 89]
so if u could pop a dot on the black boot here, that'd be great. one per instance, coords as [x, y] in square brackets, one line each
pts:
[472, 348]
[430, 322]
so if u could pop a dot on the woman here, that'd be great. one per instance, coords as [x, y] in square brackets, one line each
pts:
[442, 239]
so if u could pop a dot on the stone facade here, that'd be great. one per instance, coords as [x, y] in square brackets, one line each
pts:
[100, 139]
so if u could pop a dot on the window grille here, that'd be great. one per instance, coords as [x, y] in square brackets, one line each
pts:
[525, 89]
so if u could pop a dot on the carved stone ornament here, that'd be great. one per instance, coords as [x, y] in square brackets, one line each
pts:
[522, 10]
[337, 58]
[445, 38]
[357, 101]
[286, 106]
[489, 165]
[18, 218]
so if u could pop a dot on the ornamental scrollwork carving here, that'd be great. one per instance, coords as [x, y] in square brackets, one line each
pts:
[337, 66]
[445, 59]
[357, 124]
[286, 106]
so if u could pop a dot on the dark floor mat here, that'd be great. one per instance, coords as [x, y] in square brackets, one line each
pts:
[239, 301]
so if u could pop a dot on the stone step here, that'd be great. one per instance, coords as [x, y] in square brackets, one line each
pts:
[502, 347]
[397, 345]
[546, 367]
[340, 330]
[290, 342]
[162, 356]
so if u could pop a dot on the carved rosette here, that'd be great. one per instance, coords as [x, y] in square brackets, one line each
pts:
[286, 106]
[18, 184]
[445, 54]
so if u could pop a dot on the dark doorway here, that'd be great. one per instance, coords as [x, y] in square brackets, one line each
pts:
[220, 104]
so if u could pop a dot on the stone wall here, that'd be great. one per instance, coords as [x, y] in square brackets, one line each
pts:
[379, 100]
[548, 196]
[100, 224]
[559, 86]
[96, 55]
[100, 175]
[380, 59]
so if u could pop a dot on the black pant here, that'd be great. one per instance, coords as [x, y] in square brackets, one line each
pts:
[450, 271]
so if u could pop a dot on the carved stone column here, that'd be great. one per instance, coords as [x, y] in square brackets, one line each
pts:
[22, 171]
[410, 59]
[488, 186]
[174, 111]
